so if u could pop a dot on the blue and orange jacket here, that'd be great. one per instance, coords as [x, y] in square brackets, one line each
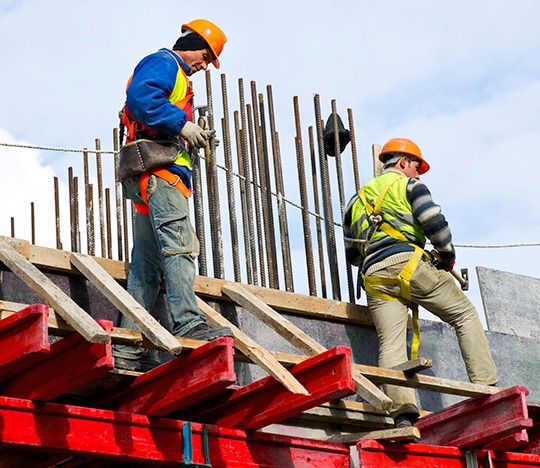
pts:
[158, 103]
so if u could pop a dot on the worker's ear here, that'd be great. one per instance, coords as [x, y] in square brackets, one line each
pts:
[402, 163]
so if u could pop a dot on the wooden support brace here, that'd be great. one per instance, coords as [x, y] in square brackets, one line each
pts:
[395, 435]
[414, 366]
[134, 438]
[52, 294]
[125, 303]
[71, 362]
[24, 339]
[185, 381]
[254, 352]
[479, 421]
[299, 339]
[326, 376]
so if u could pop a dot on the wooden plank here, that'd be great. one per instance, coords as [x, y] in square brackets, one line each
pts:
[479, 421]
[416, 365]
[52, 294]
[71, 362]
[327, 377]
[183, 382]
[253, 351]
[395, 435]
[125, 303]
[375, 374]
[206, 287]
[364, 416]
[302, 341]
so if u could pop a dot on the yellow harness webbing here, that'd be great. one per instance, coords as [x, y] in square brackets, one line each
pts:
[404, 277]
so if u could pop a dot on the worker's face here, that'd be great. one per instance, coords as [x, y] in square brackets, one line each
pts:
[411, 168]
[196, 59]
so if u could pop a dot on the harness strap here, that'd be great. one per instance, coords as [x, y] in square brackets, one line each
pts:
[164, 174]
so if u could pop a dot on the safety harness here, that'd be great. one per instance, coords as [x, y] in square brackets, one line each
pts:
[164, 174]
[377, 222]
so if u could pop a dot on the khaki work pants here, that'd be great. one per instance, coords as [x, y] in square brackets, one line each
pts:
[436, 291]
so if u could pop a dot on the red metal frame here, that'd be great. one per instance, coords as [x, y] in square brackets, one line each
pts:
[72, 361]
[185, 381]
[373, 454]
[24, 339]
[94, 433]
[479, 421]
[327, 376]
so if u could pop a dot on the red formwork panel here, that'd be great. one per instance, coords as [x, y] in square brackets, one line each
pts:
[326, 376]
[187, 380]
[534, 433]
[125, 437]
[373, 454]
[24, 338]
[72, 361]
[478, 421]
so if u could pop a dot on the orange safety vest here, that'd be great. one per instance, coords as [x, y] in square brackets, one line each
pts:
[180, 96]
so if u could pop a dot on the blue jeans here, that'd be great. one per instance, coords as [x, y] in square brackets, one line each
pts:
[165, 247]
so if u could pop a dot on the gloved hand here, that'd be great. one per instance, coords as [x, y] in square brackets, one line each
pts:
[194, 135]
[212, 134]
[442, 263]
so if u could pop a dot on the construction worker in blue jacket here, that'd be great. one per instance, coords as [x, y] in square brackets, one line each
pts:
[158, 107]
[387, 223]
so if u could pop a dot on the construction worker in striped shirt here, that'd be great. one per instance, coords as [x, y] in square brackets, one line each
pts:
[388, 222]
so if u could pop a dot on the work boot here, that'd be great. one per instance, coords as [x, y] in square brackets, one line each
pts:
[137, 365]
[206, 333]
[405, 420]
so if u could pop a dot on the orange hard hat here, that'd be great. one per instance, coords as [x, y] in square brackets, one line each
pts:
[214, 37]
[403, 145]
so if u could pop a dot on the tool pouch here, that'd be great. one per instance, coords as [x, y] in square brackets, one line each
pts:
[144, 155]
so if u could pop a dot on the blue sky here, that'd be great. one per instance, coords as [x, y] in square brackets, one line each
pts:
[460, 78]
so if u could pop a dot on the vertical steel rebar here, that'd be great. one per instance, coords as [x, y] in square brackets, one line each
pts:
[76, 214]
[225, 125]
[126, 228]
[318, 226]
[327, 204]
[280, 192]
[339, 173]
[108, 221]
[243, 190]
[213, 190]
[117, 194]
[100, 198]
[308, 245]
[57, 213]
[12, 227]
[244, 165]
[256, 198]
[72, 210]
[89, 204]
[33, 223]
[353, 151]
[266, 191]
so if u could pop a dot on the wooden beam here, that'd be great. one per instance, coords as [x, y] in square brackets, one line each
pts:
[52, 294]
[416, 365]
[299, 339]
[206, 287]
[395, 435]
[375, 374]
[125, 303]
[253, 351]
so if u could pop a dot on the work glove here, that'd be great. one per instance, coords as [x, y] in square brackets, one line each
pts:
[194, 135]
[441, 263]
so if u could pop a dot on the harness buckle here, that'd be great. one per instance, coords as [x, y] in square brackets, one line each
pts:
[375, 219]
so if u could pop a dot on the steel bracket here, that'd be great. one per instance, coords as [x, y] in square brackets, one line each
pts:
[470, 459]
[187, 441]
